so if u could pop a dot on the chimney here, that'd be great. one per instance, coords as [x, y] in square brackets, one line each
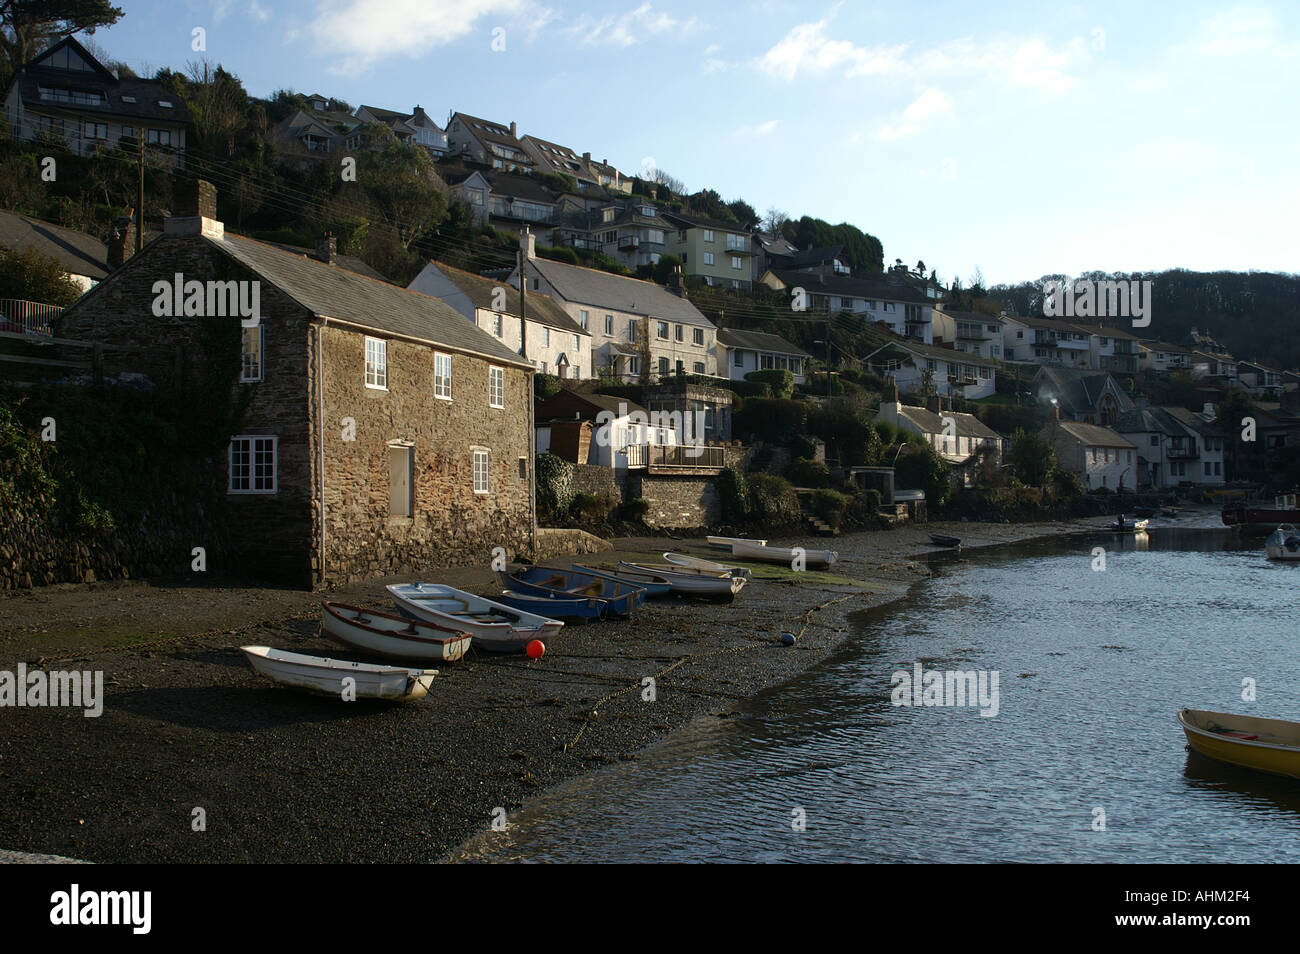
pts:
[122, 242]
[514, 131]
[676, 281]
[195, 210]
[327, 247]
[934, 404]
[528, 243]
[586, 157]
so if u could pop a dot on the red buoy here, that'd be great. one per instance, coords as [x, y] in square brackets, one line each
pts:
[535, 649]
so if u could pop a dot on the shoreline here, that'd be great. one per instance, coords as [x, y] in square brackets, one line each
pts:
[287, 777]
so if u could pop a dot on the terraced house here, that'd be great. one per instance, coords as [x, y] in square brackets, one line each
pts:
[487, 142]
[377, 431]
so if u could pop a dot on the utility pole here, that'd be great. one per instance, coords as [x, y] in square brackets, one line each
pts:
[828, 357]
[523, 303]
[139, 203]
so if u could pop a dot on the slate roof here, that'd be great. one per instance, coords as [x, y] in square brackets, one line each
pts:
[691, 220]
[485, 130]
[598, 402]
[591, 286]
[846, 286]
[950, 355]
[334, 292]
[520, 187]
[77, 252]
[758, 341]
[966, 425]
[1080, 388]
[481, 291]
[1193, 420]
[1092, 435]
[817, 256]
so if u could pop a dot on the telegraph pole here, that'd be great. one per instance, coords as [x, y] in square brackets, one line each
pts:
[139, 203]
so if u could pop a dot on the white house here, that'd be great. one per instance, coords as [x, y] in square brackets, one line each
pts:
[741, 352]
[617, 431]
[910, 363]
[1101, 457]
[905, 310]
[968, 331]
[957, 437]
[556, 344]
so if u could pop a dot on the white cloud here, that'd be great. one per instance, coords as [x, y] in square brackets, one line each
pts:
[1237, 32]
[930, 103]
[258, 12]
[892, 133]
[749, 131]
[359, 33]
[807, 48]
[628, 28]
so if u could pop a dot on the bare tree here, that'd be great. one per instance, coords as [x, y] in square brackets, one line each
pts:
[774, 220]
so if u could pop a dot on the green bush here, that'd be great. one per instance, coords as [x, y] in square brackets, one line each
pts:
[816, 384]
[780, 380]
[803, 446]
[803, 472]
[772, 420]
[750, 389]
[830, 506]
[1067, 484]
[920, 467]
[554, 487]
[772, 499]
[864, 508]
[733, 493]
[591, 509]
[559, 254]
[635, 509]
[546, 386]
[849, 439]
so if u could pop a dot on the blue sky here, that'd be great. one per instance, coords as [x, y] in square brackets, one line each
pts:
[1019, 138]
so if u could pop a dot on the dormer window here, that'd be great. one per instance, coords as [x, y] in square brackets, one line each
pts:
[648, 210]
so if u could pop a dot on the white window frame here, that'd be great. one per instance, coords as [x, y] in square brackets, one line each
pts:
[609, 326]
[496, 387]
[475, 455]
[376, 364]
[697, 337]
[253, 440]
[244, 376]
[708, 258]
[441, 382]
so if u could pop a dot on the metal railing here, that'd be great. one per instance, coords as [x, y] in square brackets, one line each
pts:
[685, 456]
[28, 317]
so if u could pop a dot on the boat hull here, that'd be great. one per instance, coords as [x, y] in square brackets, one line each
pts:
[1275, 749]
[725, 543]
[652, 584]
[391, 636]
[699, 583]
[784, 555]
[554, 605]
[508, 630]
[321, 675]
[1253, 517]
[695, 563]
[618, 598]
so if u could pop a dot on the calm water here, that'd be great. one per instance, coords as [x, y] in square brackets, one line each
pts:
[1093, 668]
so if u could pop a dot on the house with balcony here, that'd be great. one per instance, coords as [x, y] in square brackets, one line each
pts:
[607, 176]
[560, 160]
[317, 132]
[632, 233]
[918, 368]
[600, 429]
[412, 129]
[826, 261]
[741, 352]
[65, 93]
[1259, 380]
[555, 342]
[719, 253]
[1113, 349]
[1164, 357]
[1089, 397]
[1176, 447]
[515, 202]
[1046, 341]
[969, 332]
[1100, 456]
[640, 331]
[493, 144]
[902, 309]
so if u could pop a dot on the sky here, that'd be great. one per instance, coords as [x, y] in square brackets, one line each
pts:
[1019, 139]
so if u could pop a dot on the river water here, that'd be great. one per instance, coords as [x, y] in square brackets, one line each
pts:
[1083, 761]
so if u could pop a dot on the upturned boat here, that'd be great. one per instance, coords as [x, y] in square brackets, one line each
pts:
[619, 598]
[1251, 742]
[1283, 543]
[325, 676]
[495, 627]
[392, 636]
[695, 563]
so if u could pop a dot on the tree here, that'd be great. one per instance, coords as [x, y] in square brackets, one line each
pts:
[919, 467]
[1032, 458]
[743, 213]
[31, 275]
[28, 26]
[774, 220]
[663, 269]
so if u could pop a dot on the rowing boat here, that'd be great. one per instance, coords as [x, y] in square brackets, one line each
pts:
[755, 551]
[943, 540]
[1264, 745]
[1137, 526]
[684, 560]
[392, 636]
[495, 627]
[619, 598]
[686, 580]
[653, 584]
[725, 543]
[325, 676]
[555, 605]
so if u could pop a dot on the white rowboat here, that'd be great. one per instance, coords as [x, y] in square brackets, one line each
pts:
[724, 543]
[695, 563]
[390, 636]
[326, 676]
[495, 627]
[693, 581]
[756, 551]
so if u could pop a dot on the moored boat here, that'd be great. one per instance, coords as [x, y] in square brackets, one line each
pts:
[555, 605]
[1132, 526]
[1284, 510]
[392, 636]
[1283, 544]
[495, 627]
[652, 583]
[943, 540]
[1251, 742]
[786, 555]
[695, 563]
[325, 676]
[620, 598]
[685, 580]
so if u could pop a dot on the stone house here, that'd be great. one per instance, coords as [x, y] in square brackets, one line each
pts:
[376, 431]
[1101, 457]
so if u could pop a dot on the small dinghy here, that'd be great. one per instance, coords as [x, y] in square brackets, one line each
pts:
[495, 627]
[725, 543]
[555, 605]
[391, 636]
[687, 581]
[943, 540]
[325, 676]
[1263, 745]
[1283, 543]
[695, 563]
[1133, 526]
[620, 599]
[753, 550]
[653, 584]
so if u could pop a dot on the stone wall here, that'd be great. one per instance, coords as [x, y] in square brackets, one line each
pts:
[677, 502]
[601, 481]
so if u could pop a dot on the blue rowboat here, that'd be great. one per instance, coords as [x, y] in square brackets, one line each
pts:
[620, 598]
[653, 585]
[554, 605]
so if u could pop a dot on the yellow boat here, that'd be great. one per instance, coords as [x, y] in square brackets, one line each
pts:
[1265, 745]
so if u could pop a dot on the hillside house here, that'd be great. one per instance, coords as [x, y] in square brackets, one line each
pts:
[1100, 456]
[741, 352]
